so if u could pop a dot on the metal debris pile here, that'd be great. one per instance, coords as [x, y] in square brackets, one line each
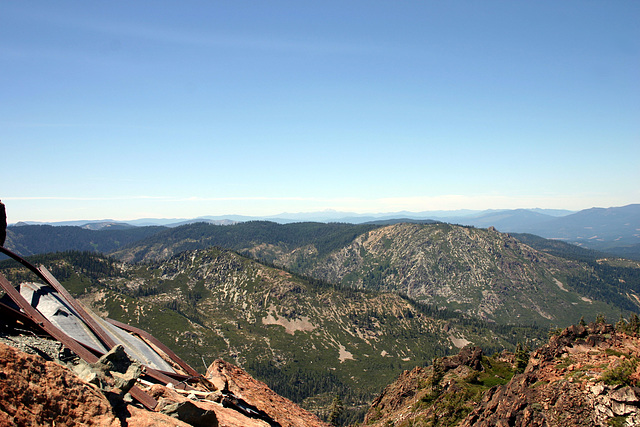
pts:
[126, 363]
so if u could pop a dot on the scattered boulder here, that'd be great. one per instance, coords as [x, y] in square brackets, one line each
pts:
[468, 356]
[115, 372]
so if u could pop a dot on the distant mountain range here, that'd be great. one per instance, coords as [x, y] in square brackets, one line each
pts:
[614, 230]
[320, 216]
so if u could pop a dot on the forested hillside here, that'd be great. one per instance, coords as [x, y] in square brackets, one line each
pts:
[275, 238]
[39, 239]
[481, 272]
[309, 340]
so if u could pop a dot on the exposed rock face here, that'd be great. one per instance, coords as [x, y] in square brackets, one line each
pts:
[440, 394]
[397, 395]
[34, 391]
[256, 394]
[468, 356]
[37, 392]
[485, 273]
[575, 380]
[586, 376]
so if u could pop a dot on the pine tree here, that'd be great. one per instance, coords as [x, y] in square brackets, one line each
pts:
[335, 411]
[521, 358]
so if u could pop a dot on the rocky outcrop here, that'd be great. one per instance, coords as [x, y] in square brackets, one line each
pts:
[39, 392]
[251, 394]
[587, 375]
[468, 356]
[438, 394]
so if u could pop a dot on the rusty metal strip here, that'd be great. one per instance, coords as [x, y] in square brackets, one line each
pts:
[48, 278]
[22, 261]
[143, 397]
[84, 352]
[146, 335]
[45, 324]
[165, 378]
[102, 335]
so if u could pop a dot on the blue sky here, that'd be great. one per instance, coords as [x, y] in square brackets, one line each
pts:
[168, 109]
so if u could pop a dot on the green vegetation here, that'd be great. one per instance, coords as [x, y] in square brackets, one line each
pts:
[336, 411]
[40, 239]
[496, 372]
[632, 327]
[618, 421]
[447, 406]
[323, 325]
[620, 374]
[607, 283]
[522, 358]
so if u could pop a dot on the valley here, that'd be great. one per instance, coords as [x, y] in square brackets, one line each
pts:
[324, 310]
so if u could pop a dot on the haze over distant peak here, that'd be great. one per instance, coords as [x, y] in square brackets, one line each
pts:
[326, 215]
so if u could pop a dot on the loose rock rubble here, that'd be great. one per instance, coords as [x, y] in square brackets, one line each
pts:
[51, 387]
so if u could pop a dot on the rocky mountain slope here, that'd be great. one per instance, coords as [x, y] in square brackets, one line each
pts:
[308, 340]
[482, 273]
[585, 376]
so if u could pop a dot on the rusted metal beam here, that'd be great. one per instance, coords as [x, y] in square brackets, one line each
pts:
[83, 351]
[18, 316]
[143, 397]
[45, 324]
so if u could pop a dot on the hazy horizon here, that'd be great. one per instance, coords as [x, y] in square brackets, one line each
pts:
[327, 214]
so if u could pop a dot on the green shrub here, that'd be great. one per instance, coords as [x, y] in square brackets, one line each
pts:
[620, 374]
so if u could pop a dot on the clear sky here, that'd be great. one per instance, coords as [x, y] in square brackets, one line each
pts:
[177, 109]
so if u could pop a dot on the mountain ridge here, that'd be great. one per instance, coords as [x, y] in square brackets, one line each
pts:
[613, 230]
[307, 340]
[587, 374]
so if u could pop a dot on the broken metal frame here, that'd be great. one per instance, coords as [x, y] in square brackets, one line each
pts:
[85, 352]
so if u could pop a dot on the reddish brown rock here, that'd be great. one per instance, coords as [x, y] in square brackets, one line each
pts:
[36, 392]
[585, 376]
[258, 395]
